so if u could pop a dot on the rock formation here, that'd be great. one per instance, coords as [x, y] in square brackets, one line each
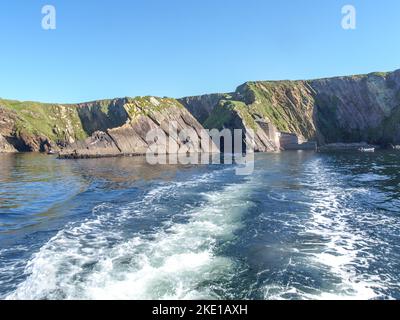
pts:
[99, 128]
[201, 106]
[362, 108]
[181, 130]
[32, 126]
[282, 115]
[5, 146]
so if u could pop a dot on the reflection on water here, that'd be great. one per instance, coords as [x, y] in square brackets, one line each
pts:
[303, 226]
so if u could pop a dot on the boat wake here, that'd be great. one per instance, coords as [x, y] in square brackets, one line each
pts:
[175, 260]
[335, 247]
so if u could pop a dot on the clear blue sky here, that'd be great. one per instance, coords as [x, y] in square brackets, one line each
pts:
[105, 49]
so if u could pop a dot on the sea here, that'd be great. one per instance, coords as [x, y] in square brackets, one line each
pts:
[302, 226]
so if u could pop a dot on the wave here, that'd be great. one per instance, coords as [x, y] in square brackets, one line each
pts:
[177, 260]
[334, 243]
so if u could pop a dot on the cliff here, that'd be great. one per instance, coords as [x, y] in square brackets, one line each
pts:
[129, 137]
[358, 108]
[32, 126]
[201, 106]
[361, 108]
[341, 109]
[106, 127]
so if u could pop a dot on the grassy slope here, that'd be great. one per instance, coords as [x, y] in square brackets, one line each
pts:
[50, 120]
[295, 106]
[57, 122]
[268, 101]
[149, 105]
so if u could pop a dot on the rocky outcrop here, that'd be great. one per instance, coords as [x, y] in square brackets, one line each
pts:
[287, 104]
[100, 144]
[5, 146]
[175, 131]
[266, 108]
[32, 126]
[358, 108]
[334, 110]
[98, 128]
[102, 115]
[202, 106]
[342, 109]
[235, 115]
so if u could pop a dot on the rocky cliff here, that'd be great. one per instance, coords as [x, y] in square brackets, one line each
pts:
[32, 126]
[5, 146]
[358, 108]
[106, 127]
[181, 130]
[362, 108]
[201, 106]
[342, 109]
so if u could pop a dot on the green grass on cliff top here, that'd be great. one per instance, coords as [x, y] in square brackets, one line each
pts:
[149, 105]
[50, 120]
[57, 121]
[224, 114]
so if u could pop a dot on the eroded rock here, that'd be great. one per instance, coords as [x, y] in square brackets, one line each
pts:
[165, 117]
[5, 146]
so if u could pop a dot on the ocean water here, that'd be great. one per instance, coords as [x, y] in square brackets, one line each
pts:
[303, 226]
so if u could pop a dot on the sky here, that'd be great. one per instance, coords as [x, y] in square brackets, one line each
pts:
[106, 49]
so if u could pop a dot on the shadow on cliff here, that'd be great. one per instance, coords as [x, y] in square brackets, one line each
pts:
[97, 116]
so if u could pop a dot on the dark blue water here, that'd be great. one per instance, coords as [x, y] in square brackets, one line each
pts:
[302, 226]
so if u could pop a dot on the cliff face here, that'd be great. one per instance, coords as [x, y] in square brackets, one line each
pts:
[110, 127]
[102, 115]
[265, 108]
[201, 106]
[231, 114]
[32, 126]
[287, 104]
[5, 146]
[166, 115]
[358, 108]
[363, 108]
[342, 109]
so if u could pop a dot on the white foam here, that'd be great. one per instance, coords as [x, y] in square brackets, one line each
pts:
[369, 177]
[339, 245]
[343, 243]
[177, 261]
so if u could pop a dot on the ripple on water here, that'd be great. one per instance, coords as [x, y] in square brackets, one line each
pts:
[176, 261]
